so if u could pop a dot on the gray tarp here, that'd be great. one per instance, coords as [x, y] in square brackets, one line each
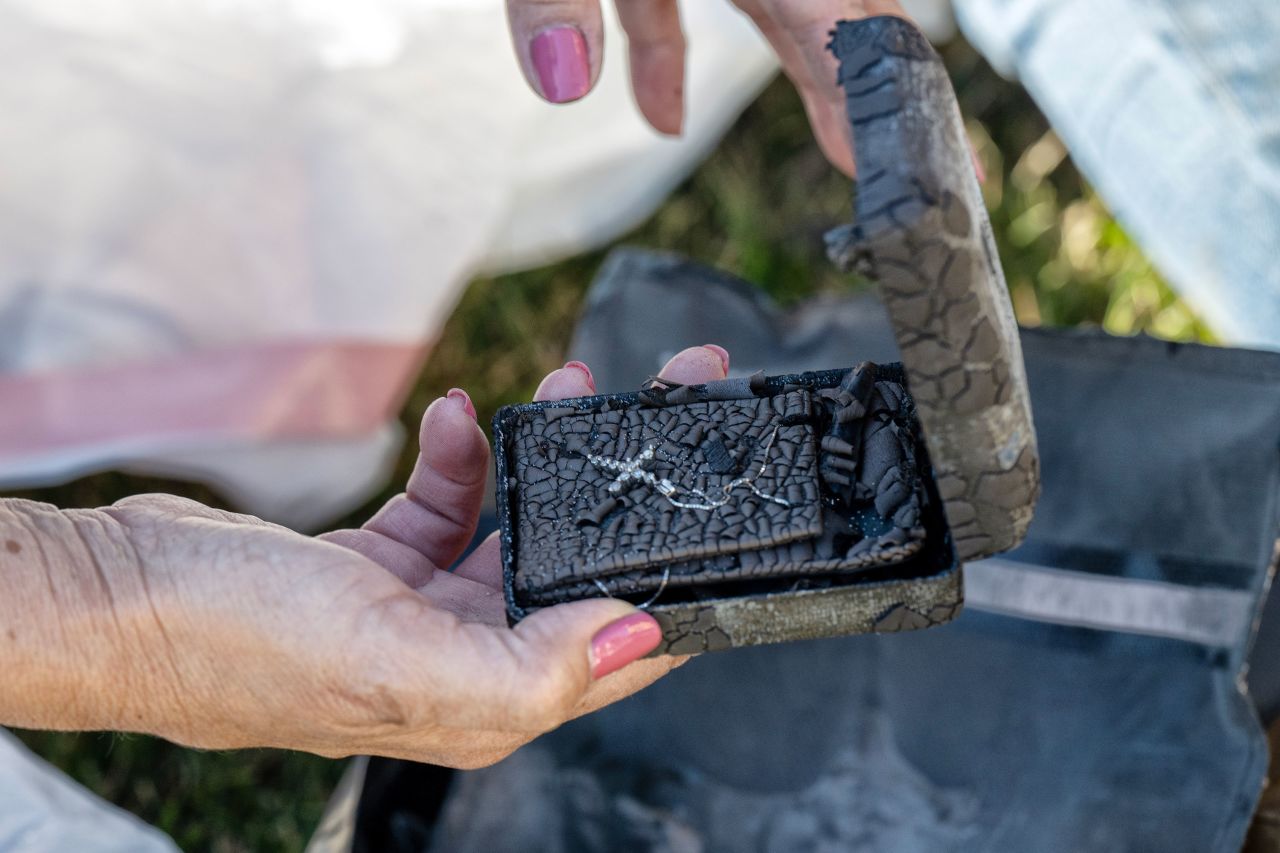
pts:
[1088, 698]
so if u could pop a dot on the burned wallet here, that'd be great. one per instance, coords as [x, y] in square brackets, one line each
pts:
[779, 508]
[738, 512]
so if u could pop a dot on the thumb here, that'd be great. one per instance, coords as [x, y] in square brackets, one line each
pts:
[612, 633]
[554, 656]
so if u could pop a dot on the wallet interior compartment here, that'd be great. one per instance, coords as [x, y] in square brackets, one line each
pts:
[841, 496]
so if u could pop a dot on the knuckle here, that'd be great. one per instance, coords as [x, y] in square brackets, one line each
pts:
[372, 701]
[374, 691]
[157, 508]
[147, 509]
[447, 506]
[161, 504]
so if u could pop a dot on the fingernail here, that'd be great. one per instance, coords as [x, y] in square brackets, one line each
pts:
[623, 642]
[977, 165]
[722, 352]
[559, 57]
[458, 395]
[577, 365]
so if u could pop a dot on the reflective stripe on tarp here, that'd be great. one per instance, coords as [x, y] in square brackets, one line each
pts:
[1211, 616]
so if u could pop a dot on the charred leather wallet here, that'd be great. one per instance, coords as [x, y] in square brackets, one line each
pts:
[733, 510]
[783, 508]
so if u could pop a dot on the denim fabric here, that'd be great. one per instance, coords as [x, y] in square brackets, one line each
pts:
[1171, 108]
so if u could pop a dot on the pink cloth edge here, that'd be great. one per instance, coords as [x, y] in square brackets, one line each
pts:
[289, 390]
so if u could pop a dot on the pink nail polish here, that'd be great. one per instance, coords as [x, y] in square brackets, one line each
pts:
[722, 352]
[577, 365]
[977, 165]
[463, 397]
[625, 641]
[559, 57]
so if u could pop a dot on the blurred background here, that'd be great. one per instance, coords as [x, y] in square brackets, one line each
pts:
[757, 207]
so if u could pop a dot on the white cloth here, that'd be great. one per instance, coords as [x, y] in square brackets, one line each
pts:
[186, 178]
[42, 811]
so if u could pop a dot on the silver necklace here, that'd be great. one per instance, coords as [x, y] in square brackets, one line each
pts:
[629, 471]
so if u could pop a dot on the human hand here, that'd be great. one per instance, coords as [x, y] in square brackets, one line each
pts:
[560, 44]
[224, 631]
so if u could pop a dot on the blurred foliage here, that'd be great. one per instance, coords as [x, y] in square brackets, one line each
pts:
[757, 207]
[1067, 261]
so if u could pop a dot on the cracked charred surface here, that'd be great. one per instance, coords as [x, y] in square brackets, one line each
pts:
[565, 538]
[921, 231]
[853, 492]
[885, 607]
[827, 522]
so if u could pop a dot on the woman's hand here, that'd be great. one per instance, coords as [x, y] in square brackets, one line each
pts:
[560, 44]
[219, 630]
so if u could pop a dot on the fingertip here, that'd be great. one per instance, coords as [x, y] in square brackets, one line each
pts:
[667, 120]
[722, 352]
[452, 412]
[978, 169]
[463, 399]
[696, 365]
[561, 63]
[835, 135]
[572, 380]
[622, 642]
[657, 52]
[450, 435]
[658, 81]
[586, 371]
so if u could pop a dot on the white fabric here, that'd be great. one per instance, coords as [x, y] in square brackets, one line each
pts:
[183, 175]
[190, 175]
[42, 811]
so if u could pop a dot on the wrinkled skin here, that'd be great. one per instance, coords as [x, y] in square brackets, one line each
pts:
[219, 630]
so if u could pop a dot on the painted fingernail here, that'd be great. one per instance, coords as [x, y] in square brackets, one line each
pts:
[577, 365]
[977, 165]
[559, 57]
[625, 641]
[722, 352]
[460, 396]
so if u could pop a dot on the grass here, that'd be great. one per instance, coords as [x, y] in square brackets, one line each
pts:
[758, 208]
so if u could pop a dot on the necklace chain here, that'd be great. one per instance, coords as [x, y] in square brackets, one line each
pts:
[629, 471]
